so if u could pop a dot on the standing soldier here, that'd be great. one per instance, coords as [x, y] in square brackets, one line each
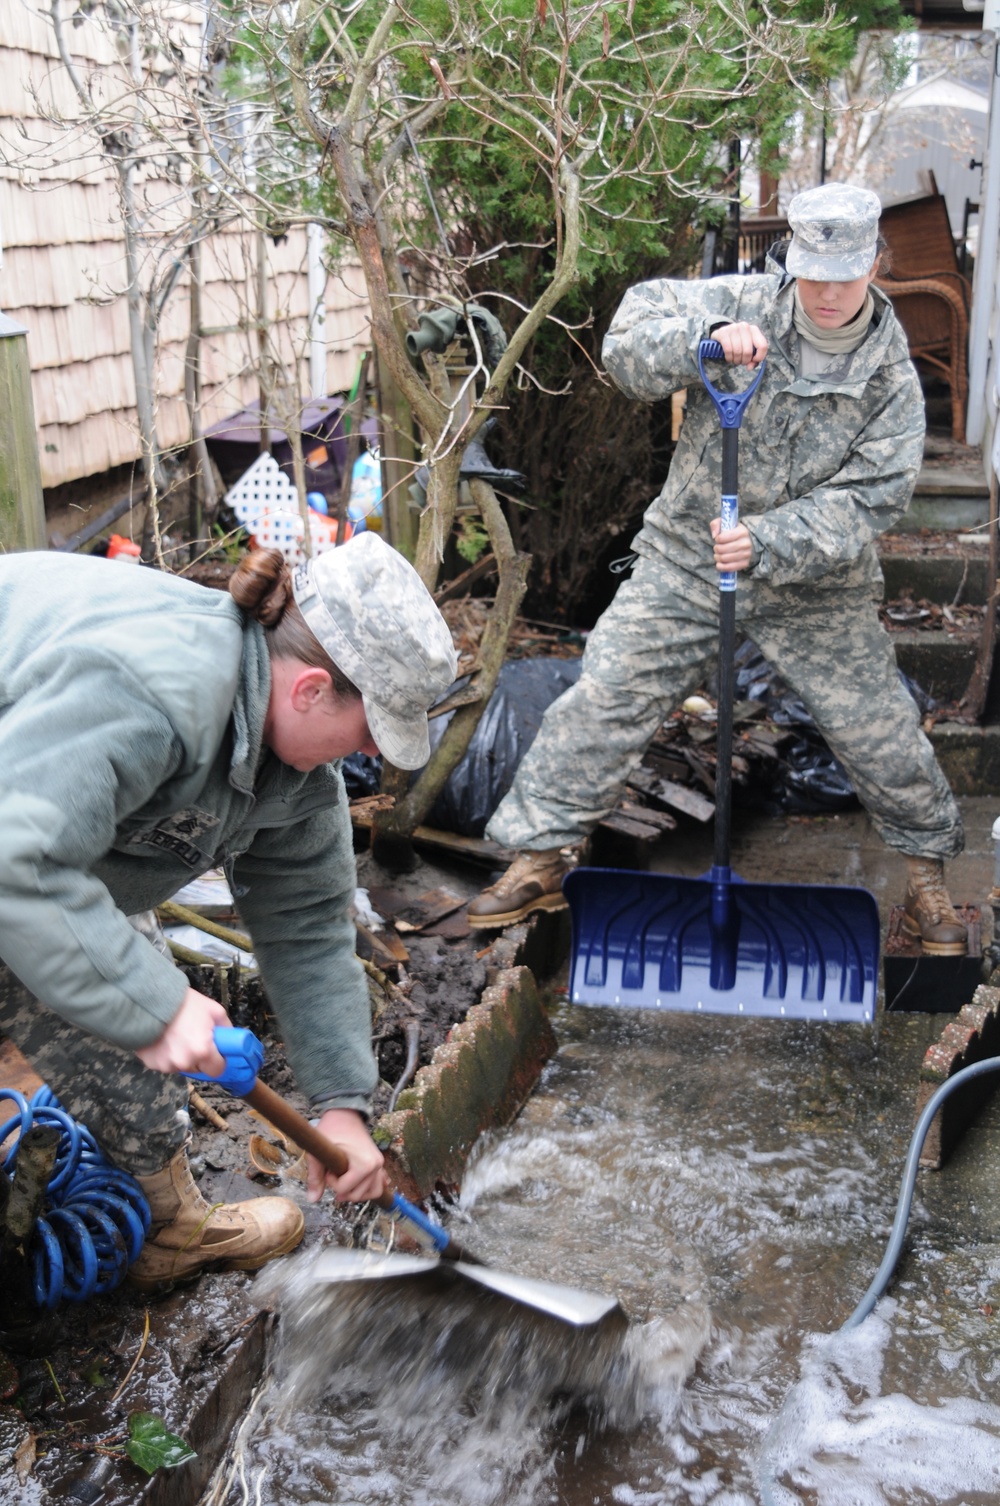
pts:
[834, 442]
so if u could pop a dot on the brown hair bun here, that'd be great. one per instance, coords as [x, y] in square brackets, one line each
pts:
[262, 585]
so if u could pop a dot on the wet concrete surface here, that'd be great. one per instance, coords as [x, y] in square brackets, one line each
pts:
[841, 848]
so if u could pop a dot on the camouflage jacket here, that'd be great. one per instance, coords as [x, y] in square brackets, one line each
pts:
[827, 463]
[132, 710]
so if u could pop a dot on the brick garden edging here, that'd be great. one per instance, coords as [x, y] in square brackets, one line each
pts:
[970, 1037]
[478, 1079]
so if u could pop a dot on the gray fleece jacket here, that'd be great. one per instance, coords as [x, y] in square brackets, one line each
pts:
[132, 708]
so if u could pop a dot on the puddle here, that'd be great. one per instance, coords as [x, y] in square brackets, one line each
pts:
[734, 1185]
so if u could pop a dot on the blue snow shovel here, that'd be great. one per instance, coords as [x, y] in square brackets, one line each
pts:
[718, 943]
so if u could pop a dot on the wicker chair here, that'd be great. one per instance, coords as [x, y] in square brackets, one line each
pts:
[929, 293]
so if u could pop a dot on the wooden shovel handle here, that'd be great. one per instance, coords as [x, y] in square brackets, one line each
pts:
[297, 1127]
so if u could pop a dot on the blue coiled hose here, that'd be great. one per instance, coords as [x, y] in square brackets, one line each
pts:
[96, 1217]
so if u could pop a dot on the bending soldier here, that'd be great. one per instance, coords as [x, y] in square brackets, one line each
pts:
[151, 729]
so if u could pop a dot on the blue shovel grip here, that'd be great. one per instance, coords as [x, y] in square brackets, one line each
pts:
[244, 1056]
[730, 406]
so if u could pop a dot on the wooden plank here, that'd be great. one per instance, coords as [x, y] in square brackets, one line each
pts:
[427, 910]
[467, 696]
[477, 849]
[974, 700]
[627, 826]
[676, 796]
[461, 583]
[363, 809]
[454, 927]
[666, 765]
[384, 948]
[699, 771]
[662, 820]
[22, 511]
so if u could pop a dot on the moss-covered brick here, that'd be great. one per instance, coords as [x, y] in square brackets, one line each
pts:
[479, 1078]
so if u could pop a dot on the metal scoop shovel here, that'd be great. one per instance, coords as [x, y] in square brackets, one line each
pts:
[244, 1057]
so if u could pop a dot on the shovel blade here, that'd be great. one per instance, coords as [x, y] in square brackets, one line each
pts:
[566, 1303]
[653, 941]
[342, 1264]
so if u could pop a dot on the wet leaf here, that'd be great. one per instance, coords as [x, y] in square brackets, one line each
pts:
[152, 1446]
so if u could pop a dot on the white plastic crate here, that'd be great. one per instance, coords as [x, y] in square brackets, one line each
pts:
[263, 487]
[284, 530]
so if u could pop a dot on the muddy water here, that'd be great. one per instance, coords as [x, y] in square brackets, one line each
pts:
[733, 1183]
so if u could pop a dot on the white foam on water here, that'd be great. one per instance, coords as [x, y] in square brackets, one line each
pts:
[844, 1443]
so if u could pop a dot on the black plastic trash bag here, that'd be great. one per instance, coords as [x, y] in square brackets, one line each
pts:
[524, 691]
[362, 775]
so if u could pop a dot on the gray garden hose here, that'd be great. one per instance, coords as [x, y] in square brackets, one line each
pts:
[766, 1477]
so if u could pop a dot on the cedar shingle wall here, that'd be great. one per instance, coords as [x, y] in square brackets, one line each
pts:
[63, 274]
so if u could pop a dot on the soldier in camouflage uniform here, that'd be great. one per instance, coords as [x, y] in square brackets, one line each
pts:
[150, 730]
[830, 449]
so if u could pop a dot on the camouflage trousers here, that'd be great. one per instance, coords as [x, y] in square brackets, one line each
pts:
[138, 1118]
[656, 643]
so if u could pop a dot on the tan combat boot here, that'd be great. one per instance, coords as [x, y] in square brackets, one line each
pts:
[928, 911]
[188, 1234]
[532, 882]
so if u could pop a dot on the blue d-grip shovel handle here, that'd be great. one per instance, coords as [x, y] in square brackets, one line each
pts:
[425, 1231]
[730, 406]
[244, 1056]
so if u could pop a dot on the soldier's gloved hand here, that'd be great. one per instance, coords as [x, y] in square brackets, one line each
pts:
[734, 549]
[187, 1044]
[742, 344]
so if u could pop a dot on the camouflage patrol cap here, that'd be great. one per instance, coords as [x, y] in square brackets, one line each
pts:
[835, 233]
[378, 622]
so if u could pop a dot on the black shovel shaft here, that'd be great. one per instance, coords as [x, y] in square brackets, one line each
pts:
[727, 675]
[724, 729]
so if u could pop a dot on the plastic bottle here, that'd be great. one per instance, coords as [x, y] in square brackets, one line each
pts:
[365, 507]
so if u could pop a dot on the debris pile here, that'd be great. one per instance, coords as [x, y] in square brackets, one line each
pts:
[931, 616]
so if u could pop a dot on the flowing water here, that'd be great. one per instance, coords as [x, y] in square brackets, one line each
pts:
[733, 1182]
